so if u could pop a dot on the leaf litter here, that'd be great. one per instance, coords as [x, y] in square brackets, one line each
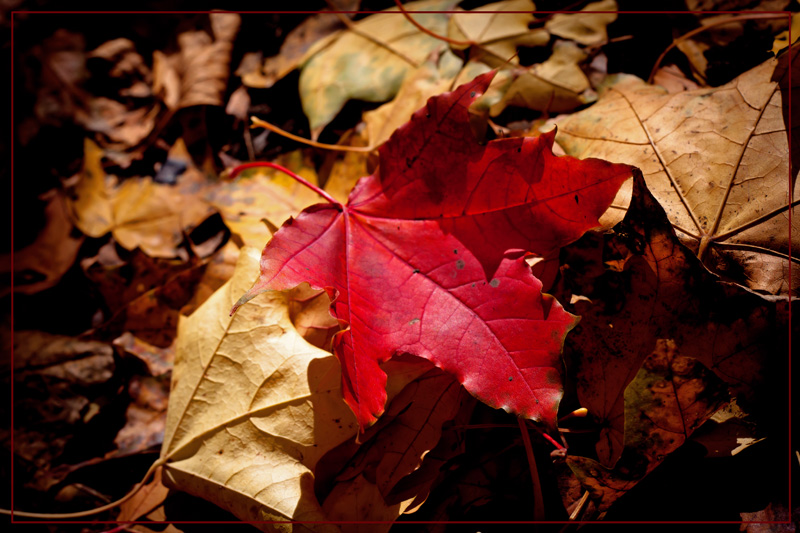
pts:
[161, 243]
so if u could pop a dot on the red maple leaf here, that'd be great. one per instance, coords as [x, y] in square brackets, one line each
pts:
[427, 258]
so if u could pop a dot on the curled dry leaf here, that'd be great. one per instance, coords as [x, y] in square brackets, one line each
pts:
[145, 500]
[396, 446]
[369, 65]
[670, 397]
[498, 35]
[308, 309]
[716, 159]
[659, 289]
[198, 74]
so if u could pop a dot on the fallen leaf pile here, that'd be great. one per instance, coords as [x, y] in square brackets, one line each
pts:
[454, 275]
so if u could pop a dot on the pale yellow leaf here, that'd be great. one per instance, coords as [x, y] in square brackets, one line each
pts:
[584, 28]
[253, 406]
[357, 67]
[498, 35]
[556, 86]
[91, 205]
[264, 194]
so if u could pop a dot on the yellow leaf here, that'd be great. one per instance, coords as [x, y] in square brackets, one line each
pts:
[253, 406]
[782, 39]
[139, 212]
[498, 34]
[92, 204]
[585, 28]
[369, 65]
[556, 86]
[264, 194]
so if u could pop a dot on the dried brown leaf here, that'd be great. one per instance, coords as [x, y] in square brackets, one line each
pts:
[716, 159]
[41, 264]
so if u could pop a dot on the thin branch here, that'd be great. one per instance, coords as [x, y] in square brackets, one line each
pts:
[689, 35]
[266, 164]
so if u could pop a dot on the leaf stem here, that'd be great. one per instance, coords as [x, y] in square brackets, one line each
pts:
[552, 441]
[689, 35]
[259, 164]
[90, 512]
[425, 30]
[257, 122]
[538, 507]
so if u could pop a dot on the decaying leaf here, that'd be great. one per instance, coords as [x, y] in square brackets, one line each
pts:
[496, 34]
[145, 416]
[464, 304]
[659, 289]
[670, 397]
[716, 159]
[41, 264]
[356, 67]
[157, 359]
[61, 380]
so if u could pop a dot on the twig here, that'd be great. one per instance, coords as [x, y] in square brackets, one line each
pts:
[735, 18]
